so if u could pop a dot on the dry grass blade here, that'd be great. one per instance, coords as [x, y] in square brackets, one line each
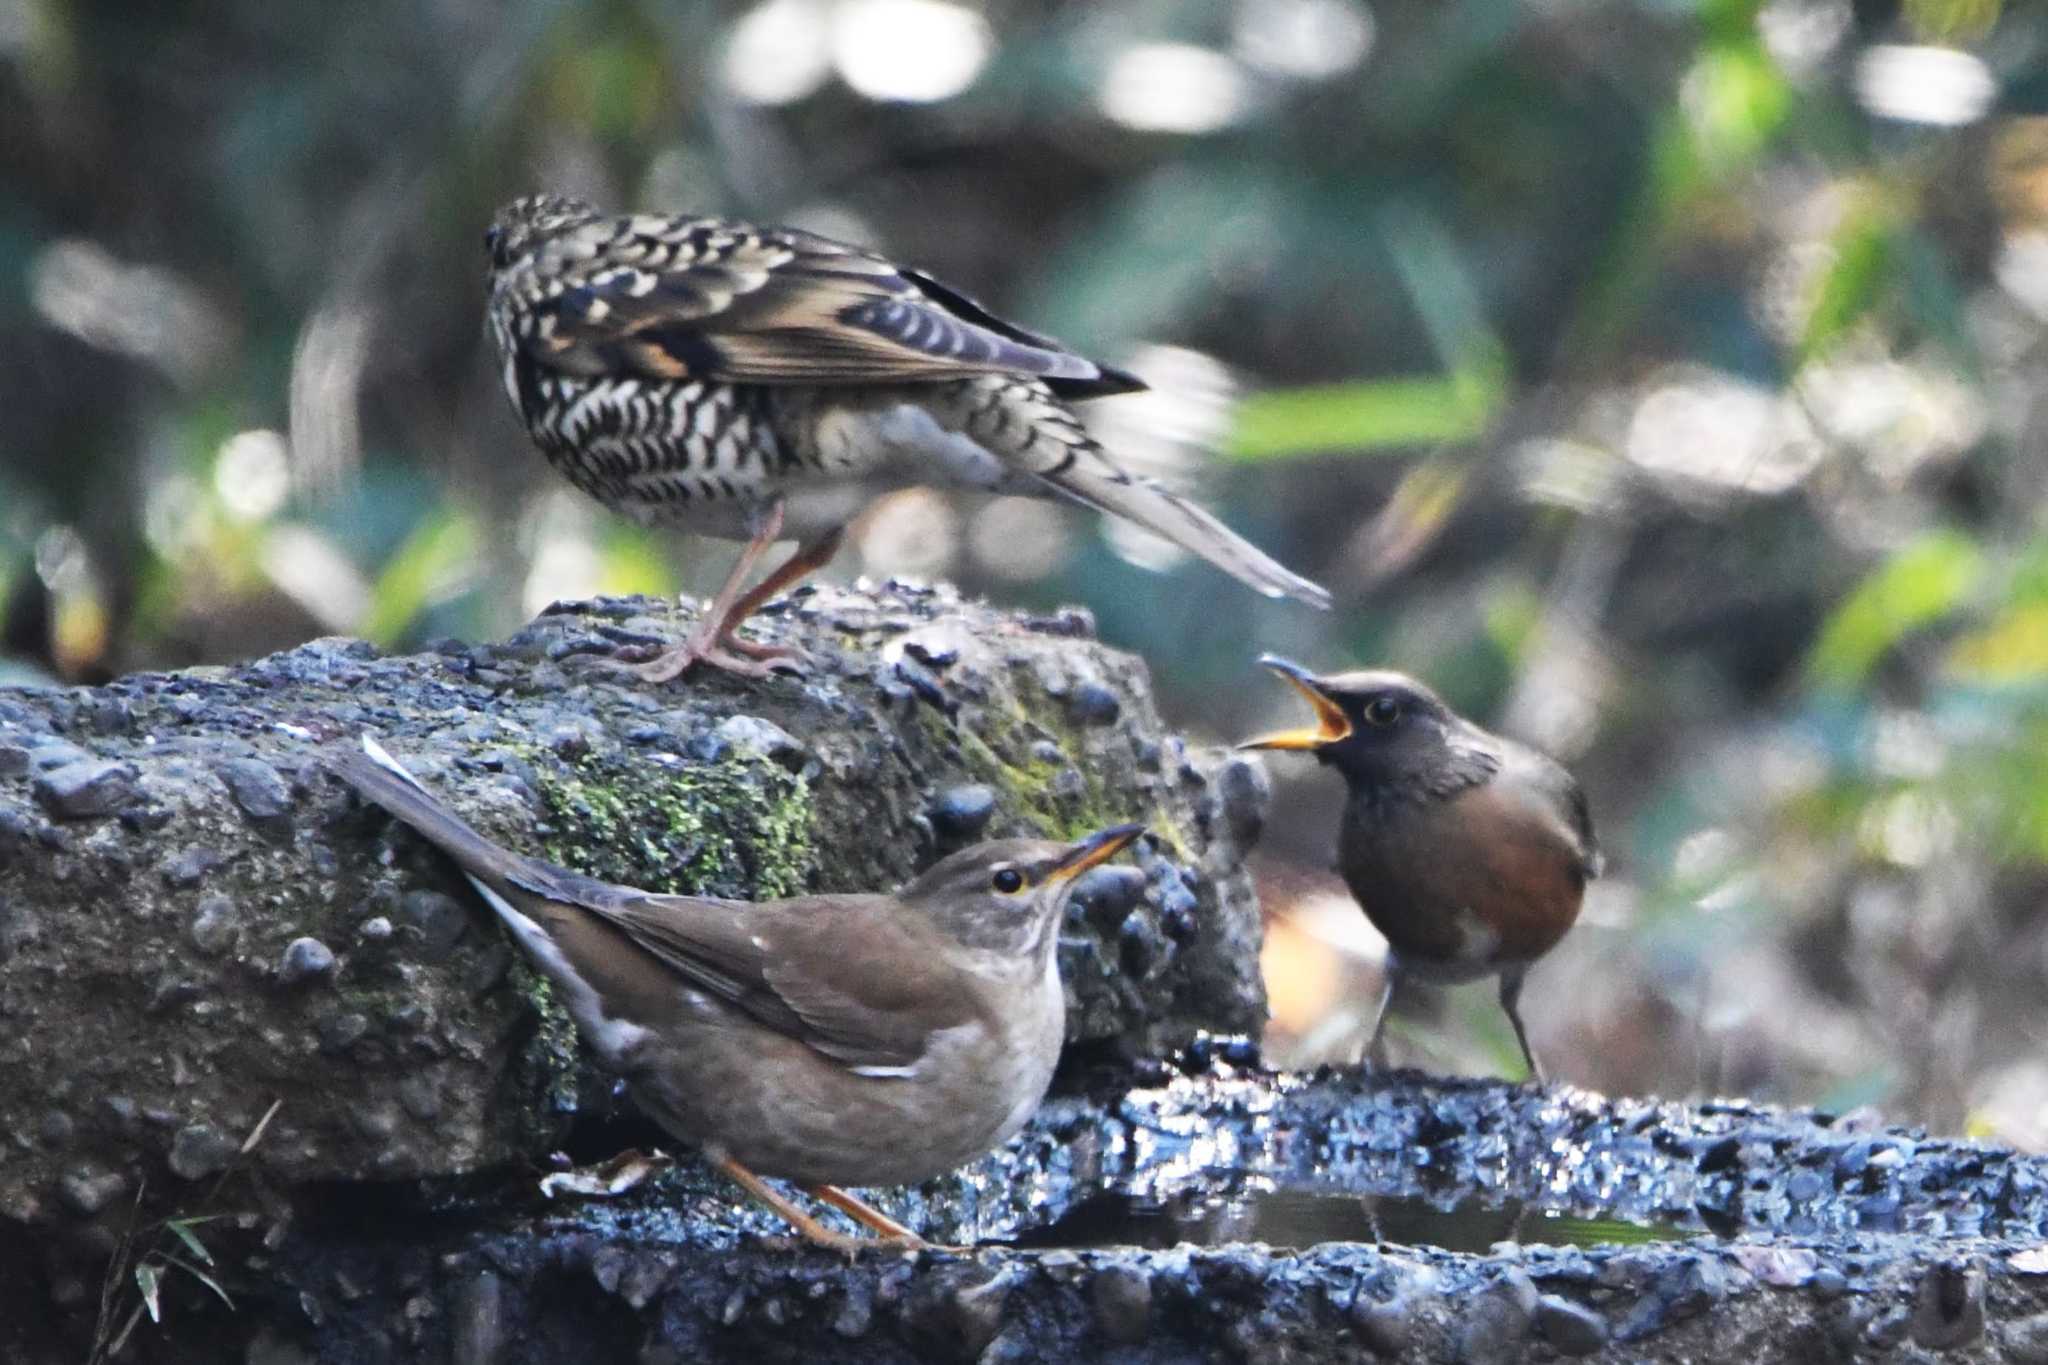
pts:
[148, 1272]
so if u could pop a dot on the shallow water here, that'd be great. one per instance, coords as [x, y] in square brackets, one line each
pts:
[1299, 1218]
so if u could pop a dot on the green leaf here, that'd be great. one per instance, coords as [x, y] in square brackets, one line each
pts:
[1954, 23]
[2012, 649]
[1395, 413]
[1565, 1230]
[1373, 414]
[633, 560]
[1412, 517]
[1512, 613]
[1440, 286]
[1729, 20]
[2007, 784]
[435, 559]
[181, 1228]
[1733, 104]
[147, 1279]
[1736, 100]
[1865, 248]
[2030, 572]
[1919, 585]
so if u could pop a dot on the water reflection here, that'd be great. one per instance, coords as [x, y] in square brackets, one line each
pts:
[1296, 1219]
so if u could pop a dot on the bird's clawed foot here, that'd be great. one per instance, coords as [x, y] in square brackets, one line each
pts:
[741, 658]
[893, 1236]
[728, 654]
[715, 641]
[852, 1245]
[786, 657]
[890, 1234]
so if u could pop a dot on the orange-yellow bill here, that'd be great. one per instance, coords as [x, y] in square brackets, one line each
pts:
[1331, 723]
[1098, 847]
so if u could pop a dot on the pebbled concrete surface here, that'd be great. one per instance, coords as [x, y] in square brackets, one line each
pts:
[197, 922]
[491, 1274]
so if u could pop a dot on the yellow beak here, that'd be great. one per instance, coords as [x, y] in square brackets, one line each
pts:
[1098, 847]
[1331, 723]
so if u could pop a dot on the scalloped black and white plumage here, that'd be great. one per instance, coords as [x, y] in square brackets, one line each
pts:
[745, 381]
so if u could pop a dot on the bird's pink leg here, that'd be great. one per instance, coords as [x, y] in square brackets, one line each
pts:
[714, 642]
[867, 1215]
[813, 1231]
[807, 560]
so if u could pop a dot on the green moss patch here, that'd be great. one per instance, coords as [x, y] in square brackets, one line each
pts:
[740, 827]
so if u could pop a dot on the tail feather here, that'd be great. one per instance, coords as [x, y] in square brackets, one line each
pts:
[1024, 423]
[382, 779]
[1089, 477]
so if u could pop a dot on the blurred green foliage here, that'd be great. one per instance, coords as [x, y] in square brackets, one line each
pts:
[1921, 584]
[1661, 379]
[1368, 415]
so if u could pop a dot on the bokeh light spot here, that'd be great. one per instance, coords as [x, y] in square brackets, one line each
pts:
[912, 51]
[1702, 432]
[778, 52]
[252, 474]
[914, 533]
[1932, 85]
[1019, 539]
[1174, 88]
[1306, 39]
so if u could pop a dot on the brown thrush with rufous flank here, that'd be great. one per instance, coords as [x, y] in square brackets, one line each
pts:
[827, 1040]
[1468, 851]
[758, 382]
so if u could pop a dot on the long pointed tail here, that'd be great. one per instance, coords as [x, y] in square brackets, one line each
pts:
[1024, 424]
[1164, 512]
[380, 778]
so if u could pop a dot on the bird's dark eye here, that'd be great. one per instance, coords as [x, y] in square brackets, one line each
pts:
[1382, 711]
[1008, 880]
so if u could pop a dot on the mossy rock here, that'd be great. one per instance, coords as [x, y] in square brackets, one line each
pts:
[146, 906]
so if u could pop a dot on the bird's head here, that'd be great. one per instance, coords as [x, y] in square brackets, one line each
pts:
[1007, 895]
[1375, 726]
[525, 222]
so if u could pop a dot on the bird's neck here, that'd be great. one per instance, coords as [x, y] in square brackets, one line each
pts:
[1020, 993]
[1462, 763]
[1024, 959]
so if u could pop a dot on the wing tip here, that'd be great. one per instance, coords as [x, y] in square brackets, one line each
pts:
[1114, 379]
[381, 756]
[1277, 581]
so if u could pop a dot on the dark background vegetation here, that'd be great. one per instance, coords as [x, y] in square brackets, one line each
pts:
[1663, 380]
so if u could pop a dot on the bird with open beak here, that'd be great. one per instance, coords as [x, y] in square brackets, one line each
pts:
[1468, 851]
[828, 1040]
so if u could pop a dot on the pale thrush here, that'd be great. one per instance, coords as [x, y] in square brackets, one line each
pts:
[831, 1039]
